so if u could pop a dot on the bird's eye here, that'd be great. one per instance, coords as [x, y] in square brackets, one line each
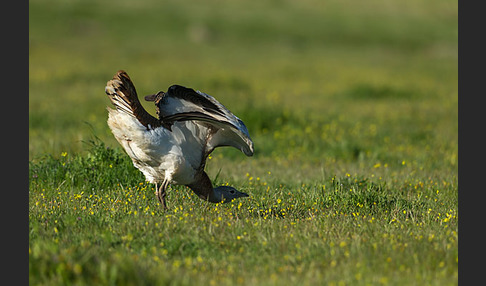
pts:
[232, 192]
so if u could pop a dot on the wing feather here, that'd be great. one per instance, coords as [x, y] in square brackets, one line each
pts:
[185, 104]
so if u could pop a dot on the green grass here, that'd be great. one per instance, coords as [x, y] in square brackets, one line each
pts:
[352, 108]
[93, 220]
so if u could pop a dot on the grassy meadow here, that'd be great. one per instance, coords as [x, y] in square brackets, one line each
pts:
[352, 108]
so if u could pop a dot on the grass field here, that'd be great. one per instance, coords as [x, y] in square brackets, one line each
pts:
[352, 108]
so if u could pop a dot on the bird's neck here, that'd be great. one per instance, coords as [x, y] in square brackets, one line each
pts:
[203, 188]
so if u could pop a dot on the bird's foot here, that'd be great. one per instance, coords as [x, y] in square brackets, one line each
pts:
[162, 194]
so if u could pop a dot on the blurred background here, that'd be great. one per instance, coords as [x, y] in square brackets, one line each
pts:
[328, 85]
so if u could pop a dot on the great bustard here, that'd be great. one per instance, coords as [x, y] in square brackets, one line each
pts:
[173, 148]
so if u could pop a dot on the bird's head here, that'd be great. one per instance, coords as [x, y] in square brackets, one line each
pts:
[226, 194]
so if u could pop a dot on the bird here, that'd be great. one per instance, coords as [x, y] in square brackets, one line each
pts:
[173, 148]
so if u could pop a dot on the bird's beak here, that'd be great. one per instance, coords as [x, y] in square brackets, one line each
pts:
[244, 195]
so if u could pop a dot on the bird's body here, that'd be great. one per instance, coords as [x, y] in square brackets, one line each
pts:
[173, 148]
[177, 160]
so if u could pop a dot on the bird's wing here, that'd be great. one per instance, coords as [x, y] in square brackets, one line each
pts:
[184, 104]
[123, 96]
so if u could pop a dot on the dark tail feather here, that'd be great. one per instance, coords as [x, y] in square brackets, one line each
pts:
[123, 96]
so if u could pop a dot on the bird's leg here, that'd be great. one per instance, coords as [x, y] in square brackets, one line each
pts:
[161, 193]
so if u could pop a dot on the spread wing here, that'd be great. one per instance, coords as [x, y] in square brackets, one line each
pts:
[184, 104]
